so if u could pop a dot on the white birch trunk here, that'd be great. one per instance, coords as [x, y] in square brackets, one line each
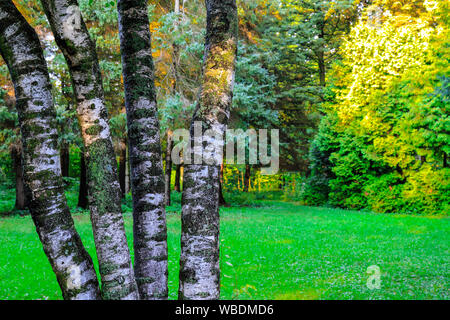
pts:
[199, 261]
[147, 182]
[72, 37]
[22, 52]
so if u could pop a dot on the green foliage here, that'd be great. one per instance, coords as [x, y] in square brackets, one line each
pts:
[363, 85]
[9, 138]
[302, 39]
[118, 126]
[75, 161]
[387, 145]
[253, 95]
[316, 189]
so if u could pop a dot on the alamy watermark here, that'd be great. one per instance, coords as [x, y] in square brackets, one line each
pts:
[241, 147]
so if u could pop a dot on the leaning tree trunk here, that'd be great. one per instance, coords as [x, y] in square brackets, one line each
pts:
[22, 52]
[113, 254]
[168, 171]
[16, 155]
[199, 261]
[147, 183]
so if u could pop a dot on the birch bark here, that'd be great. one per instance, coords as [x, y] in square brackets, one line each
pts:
[199, 260]
[147, 181]
[22, 52]
[72, 37]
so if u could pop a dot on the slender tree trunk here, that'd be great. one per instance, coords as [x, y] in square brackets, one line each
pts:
[123, 167]
[176, 48]
[199, 260]
[21, 50]
[83, 190]
[321, 60]
[65, 160]
[177, 186]
[127, 172]
[72, 37]
[147, 181]
[222, 201]
[16, 155]
[175, 59]
[247, 178]
[168, 171]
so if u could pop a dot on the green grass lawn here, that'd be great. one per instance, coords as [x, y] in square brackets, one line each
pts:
[273, 250]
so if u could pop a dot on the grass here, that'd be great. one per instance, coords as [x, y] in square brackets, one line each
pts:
[271, 250]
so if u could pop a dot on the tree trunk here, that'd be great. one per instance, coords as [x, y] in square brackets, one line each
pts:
[22, 52]
[199, 260]
[127, 172]
[222, 201]
[176, 48]
[123, 167]
[321, 62]
[147, 181]
[16, 155]
[321, 59]
[177, 186]
[65, 160]
[168, 172]
[72, 37]
[247, 178]
[83, 190]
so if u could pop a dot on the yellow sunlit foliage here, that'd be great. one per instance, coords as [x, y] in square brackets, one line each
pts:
[379, 54]
[386, 135]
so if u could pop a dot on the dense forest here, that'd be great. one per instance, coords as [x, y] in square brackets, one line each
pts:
[358, 89]
[359, 127]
